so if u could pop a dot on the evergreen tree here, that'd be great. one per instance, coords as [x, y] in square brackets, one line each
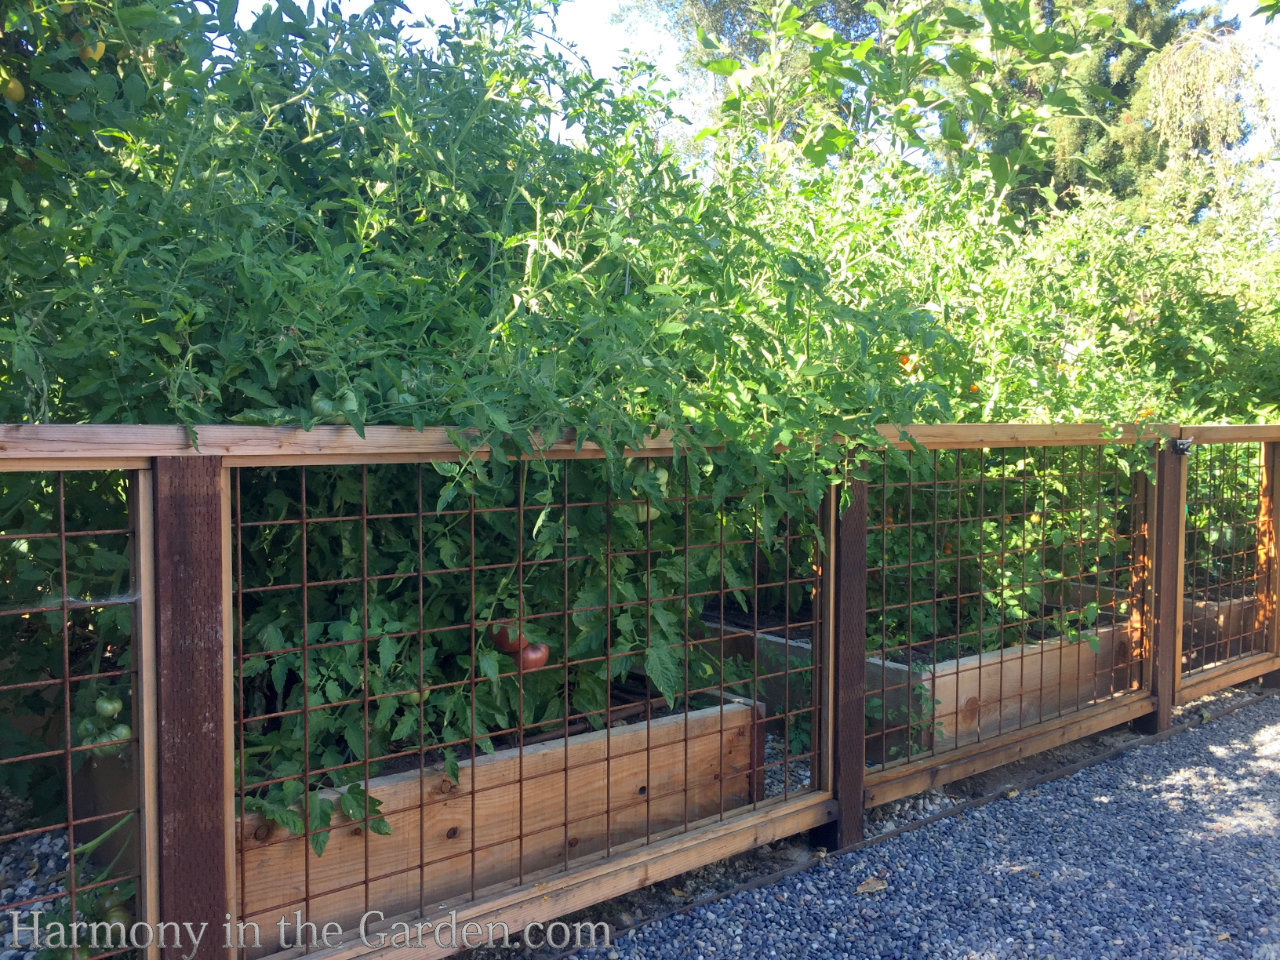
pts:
[1124, 149]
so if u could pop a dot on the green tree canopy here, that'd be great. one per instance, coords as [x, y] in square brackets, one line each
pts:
[1111, 137]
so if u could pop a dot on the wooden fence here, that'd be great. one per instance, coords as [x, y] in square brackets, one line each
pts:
[303, 676]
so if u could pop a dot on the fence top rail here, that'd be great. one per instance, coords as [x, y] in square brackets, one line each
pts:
[123, 446]
[32, 447]
[977, 436]
[1241, 433]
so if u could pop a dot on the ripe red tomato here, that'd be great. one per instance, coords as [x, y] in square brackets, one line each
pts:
[506, 638]
[534, 656]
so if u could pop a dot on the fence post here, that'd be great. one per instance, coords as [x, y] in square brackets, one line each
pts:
[193, 682]
[848, 666]
[1269, 560]
[1165, 559]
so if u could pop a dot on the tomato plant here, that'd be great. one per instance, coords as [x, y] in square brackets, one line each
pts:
[444, 644]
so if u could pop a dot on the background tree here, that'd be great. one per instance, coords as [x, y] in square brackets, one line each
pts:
[1109, 136]
[736, 23]
[1113, 144]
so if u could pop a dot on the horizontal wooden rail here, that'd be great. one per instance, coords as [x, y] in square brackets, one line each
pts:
[976, 436]
[893, 783]
[112, 446]
[33, 447]
[1235, 433]
[596, 879]
[1227, 675]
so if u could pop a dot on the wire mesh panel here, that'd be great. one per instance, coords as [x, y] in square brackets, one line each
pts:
[70, 825]
[453, 683]
[997, 593]
[1222, 617]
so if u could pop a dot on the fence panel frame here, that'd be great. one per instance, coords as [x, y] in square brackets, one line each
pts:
[550, 893]
[142, 518]
[1264, 665]
[905, 778]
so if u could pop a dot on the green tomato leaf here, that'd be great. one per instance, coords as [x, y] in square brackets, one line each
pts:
[723, 66]
[662, 667]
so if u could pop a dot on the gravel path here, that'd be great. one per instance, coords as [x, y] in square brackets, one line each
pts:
[31, 866]
[1171, 850]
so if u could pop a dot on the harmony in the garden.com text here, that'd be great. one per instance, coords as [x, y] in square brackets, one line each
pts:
[373, 931]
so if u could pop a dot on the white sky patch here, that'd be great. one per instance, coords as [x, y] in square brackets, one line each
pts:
[587, 26]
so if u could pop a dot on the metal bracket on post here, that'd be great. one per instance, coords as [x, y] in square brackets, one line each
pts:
[1181, 445]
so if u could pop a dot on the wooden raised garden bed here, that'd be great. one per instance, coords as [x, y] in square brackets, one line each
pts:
[783, 665]
[1212, 630]
[1217, 630]
[938, 707]
[977, 697]
[985, 694]
[963, 700]
[511, 806]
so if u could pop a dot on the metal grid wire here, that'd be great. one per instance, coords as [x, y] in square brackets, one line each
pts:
[997, 593]
[398, 750]
[1222, 619]
[69, 770]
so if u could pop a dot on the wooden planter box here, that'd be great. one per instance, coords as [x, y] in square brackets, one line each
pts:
[1212, 630]
[105, 785]
[982, 695]
[783, 667]
[1217, 630]
[512, 807]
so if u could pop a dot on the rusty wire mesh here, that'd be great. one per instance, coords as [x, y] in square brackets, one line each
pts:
[398, 749]
[69, 770]
[998, 593]
[1222, 618]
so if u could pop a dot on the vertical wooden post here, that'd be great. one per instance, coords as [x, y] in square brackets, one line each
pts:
[1269, 555]
[848, 668]
[1163, 615]
[192, 684]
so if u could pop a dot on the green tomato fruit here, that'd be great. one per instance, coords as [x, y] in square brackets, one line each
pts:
[348, 401]
[325, 409]
[107, 707]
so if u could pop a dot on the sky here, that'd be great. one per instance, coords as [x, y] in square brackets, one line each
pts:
[594, 27]
[589, 25]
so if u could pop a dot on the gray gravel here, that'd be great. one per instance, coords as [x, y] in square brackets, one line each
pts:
[1170, 851]
[30, 866]
[781, 774]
